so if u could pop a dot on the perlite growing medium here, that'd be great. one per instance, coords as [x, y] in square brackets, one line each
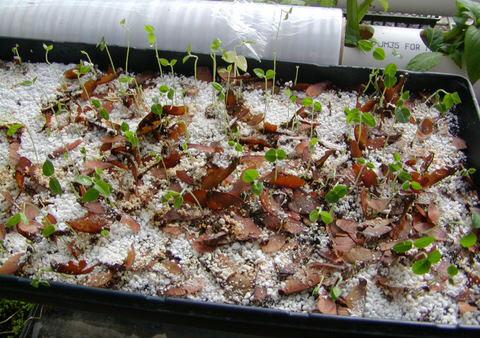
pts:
[156, 186]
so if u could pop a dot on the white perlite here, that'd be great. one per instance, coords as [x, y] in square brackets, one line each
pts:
[165, 258]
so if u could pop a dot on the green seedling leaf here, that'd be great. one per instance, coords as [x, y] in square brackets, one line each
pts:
[15, 219]
[402, 247]
[468, 240]
[104, 232]
[91, 195]
[157, 109]
[269, 74]
[326, 217]
[48, 230]
[369, 120]
[339, 191]
[307, 101]
[83, 180]
[257, 188]
[217, 86]
[13, 128]
[434, 257]
[402, 114]
[314, 215]
[104, 114]
[55, 186]
[423, 242]
[452, 270]
[250, 175]
[215, 45]
[96, 103]
[102, 187]
[259, 73]
[335, 293]
[421, 267]
[47, 168]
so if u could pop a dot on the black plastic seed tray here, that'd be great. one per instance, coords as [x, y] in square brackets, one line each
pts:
[235, 318]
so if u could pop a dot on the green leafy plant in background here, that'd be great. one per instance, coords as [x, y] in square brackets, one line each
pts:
[355, 13]
[16, 54]
[123, 24]
[461, 43]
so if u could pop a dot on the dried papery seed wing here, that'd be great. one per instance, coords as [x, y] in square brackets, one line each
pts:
[303, 202]
[361, 135]
[217, 200]
[425, 127]
[269, 127]
[316, 89]
[216, 175]
[368, 106]
[433, 213]
[204, 74]
[107, 77]
[357, 294]
[355, 150]
[286, 181]
[130, 259]
[196, 196]
[436, 176]
[29, 230]
[183, 176]
[91, 223]
[367, 176]
[326, 305]
[66, 148]
[72, 267]
[175, 110]
[177, 131]
[349, 226]
[100, 279]
[12, 264]
[209, 242]
[130, 222]
[245, 228]
[274, 243]
[319, 163]
[88, 88]
[378, 205]
[254, 142]
[148, 124]
[358, 254]
[95, 207]
[205, 148]
[71, 73]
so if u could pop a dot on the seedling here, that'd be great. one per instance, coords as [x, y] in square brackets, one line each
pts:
[90, 62]
[297, 68]
[465, 172]
[195, 60]
[338, 192]
[16, 54]
[166, 63]
[123, 24]
[49, 171]
[47, 49]
[268, 75]
[235, 145]
[470, 239]
[219, 90]
[452, 271]
[130, 135]
[104, 232]
[167, 92]
[96, 186]
[445, 103]
[48, 230]
[250, 176]
[173, 198]
[335, 292]
[13, 128]
[284, 14]
[215, 46]
[102, 45]
[101, 111]
[27, 83]
[422, 265]
[273, 156]
[402, 113]
[237, 61]
[15, 219]
[355, 14]
[152, 40]
[325, 216]
[355, 116]
[396, 168]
